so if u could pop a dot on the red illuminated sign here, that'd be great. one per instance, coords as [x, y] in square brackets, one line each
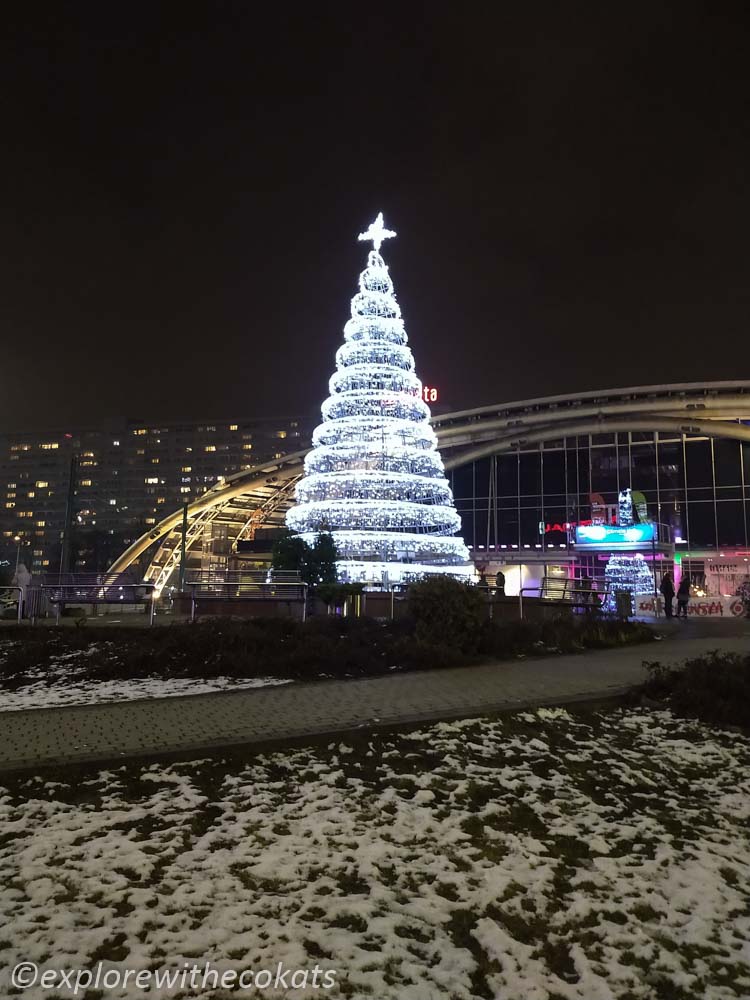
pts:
[569, 525]
[429, 394]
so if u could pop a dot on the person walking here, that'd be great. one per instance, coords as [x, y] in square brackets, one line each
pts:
[683, 597]
[667, 589]
[500, 583]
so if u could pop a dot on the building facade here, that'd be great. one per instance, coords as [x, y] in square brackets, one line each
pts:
[519, 511]
[112, 483]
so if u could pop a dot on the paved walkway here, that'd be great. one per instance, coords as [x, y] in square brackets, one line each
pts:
[198, 723]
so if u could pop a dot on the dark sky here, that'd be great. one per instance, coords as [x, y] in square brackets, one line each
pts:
[182, 194]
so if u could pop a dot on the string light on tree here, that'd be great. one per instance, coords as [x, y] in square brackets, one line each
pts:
[375, 478]
[627, 572]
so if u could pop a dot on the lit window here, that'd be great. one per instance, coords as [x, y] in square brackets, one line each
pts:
[12, 486]
[151, 479]
[233, 427]
[31, 494]
[11, 495]
[88, 454]
[50, 446]
[45, 562]
[10, 506]
[247, 447]
[210, 447]
[38, 552]
[184, 489]
[116, 444]
[140, 431]
[41, 484]
[154, 461]
[280, 434]
[161, 499]
[210, 428]
[112, 503]
[150, 520]
[141, 451]
[85, 482]
[187, 468]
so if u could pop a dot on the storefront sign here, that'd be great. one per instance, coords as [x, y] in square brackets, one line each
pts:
[606, 534]
[699, 607]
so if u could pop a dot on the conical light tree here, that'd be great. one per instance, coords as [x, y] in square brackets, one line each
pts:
[374, 477]
[627, 572]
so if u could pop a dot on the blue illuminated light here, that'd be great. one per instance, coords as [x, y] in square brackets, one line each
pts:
[606, 534]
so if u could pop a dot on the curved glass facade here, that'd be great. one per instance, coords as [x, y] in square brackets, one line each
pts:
[699, 486]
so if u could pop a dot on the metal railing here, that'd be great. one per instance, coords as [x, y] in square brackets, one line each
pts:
[122, 594]
[214, 590]
[19, 591]
[585, 599]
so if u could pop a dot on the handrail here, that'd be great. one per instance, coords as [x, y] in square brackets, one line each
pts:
[20, 600]
[258, 592]
[94, 593]
[567, 594]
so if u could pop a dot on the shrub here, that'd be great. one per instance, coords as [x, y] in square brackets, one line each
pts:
[447, 612]
[714, 688]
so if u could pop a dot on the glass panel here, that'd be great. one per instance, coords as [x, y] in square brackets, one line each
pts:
[531, 483]
[604, 471]
[701, 526]
[731, 518]
[554, 472]
[698, 463]
[482, 478]
[727, 462]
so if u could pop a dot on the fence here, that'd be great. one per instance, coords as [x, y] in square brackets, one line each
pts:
[121, 594]
[19, 600]
[247, 593]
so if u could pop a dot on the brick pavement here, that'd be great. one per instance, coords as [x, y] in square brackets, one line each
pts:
[198, 723]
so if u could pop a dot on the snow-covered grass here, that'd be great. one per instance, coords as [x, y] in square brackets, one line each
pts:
[538, 857]
[66, 681]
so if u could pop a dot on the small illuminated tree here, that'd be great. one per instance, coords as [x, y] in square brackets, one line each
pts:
[374, 476]
[627, 572]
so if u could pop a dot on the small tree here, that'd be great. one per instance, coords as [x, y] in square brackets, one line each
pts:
[315, 563]
[291, 554]
[324, 556]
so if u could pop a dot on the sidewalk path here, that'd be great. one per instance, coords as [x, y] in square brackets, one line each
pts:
[198, 723]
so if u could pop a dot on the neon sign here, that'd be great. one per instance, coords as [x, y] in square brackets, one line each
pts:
[565, 526]
[606, 534]
[429, 394]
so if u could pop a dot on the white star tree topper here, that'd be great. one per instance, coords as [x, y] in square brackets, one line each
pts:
[377, 232]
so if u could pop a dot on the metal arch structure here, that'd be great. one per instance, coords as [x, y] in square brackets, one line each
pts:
[261, 495]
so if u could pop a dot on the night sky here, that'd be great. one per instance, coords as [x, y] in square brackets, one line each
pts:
[182, 193]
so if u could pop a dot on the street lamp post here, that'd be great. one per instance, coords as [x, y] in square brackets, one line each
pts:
[17, 540]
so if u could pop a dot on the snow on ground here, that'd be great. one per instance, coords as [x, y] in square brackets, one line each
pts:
[64, 682]
[538, 857]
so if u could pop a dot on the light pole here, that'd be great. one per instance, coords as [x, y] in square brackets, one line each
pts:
[17, 540]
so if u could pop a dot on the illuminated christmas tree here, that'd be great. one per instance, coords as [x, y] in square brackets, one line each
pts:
[374, 478]
[627, 572]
